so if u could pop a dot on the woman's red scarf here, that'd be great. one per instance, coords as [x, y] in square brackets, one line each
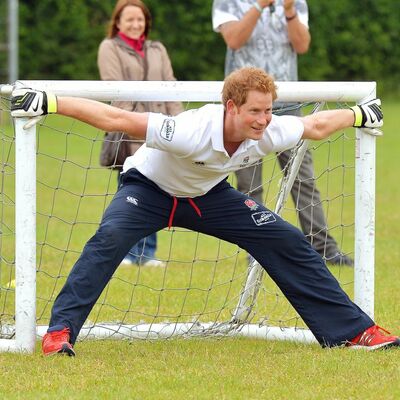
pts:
[135, 44]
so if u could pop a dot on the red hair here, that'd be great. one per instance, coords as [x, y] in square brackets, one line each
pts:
[238, 84]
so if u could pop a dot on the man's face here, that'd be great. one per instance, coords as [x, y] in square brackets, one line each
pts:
[254, 116]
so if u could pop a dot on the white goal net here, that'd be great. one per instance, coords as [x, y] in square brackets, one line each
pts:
[54, 192]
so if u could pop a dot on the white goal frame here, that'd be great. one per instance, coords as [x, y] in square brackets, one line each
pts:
[26, 330]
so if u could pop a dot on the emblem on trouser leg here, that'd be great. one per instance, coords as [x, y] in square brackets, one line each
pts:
[251, 204]
[263, 217]
[132, 200]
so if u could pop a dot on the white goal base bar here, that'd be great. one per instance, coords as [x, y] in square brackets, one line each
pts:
[171, 330]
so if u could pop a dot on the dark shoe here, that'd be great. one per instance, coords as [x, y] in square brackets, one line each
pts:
[374, 339]
[57, 342]
[340, 259]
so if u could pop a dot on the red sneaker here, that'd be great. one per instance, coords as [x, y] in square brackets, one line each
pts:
[57, 342]
[373, 339]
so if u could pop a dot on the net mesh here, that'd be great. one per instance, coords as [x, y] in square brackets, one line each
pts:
[203, 278]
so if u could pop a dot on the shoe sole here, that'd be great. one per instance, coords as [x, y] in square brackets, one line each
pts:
[67, 350]
[64, 351]
[382, 346]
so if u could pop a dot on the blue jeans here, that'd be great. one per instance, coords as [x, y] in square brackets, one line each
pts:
[145, 249]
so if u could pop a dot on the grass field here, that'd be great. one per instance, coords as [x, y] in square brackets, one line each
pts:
[198, 369]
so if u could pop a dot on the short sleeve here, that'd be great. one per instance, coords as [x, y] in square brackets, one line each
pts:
[221, 15]
[302, 12]
[177, 135]
[284, 132]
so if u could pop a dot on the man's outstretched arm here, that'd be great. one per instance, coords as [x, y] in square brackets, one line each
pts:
[322, 124]
[31, 103]
[104, 116]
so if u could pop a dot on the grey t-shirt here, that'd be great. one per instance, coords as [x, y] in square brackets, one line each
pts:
[268, 47]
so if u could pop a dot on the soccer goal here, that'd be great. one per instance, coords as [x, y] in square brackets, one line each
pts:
[53, 194]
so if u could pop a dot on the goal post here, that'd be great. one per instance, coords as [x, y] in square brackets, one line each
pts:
[25, 241]
[23, 335]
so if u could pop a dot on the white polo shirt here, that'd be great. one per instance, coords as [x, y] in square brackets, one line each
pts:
[185, 155]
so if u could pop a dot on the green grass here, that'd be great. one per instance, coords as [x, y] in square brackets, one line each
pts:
[199, 369]
[202, 369]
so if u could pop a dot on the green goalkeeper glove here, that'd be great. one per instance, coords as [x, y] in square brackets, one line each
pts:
[368, 115]
[32, 103]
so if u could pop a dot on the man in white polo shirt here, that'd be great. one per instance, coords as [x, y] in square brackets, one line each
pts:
[179, 178]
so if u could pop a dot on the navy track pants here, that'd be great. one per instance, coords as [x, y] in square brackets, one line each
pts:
[140, 208]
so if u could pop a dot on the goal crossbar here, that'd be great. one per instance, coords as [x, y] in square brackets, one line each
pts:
[207, 91]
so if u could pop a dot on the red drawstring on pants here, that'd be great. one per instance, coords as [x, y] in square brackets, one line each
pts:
[171, 216]
[193, 204]
[175, 204]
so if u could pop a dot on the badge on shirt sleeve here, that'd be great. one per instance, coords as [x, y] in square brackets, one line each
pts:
[168, 129]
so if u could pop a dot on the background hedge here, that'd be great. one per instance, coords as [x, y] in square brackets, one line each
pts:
[351, 40]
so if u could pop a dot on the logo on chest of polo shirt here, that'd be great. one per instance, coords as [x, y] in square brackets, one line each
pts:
[245, 162]
[168, 129]
[263, 217]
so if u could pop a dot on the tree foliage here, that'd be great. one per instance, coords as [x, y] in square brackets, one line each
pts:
[350, 40]
[354, 41]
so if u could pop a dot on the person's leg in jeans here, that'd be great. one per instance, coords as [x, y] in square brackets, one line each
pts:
[249, 181]
[307, 200]
[144, 251]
